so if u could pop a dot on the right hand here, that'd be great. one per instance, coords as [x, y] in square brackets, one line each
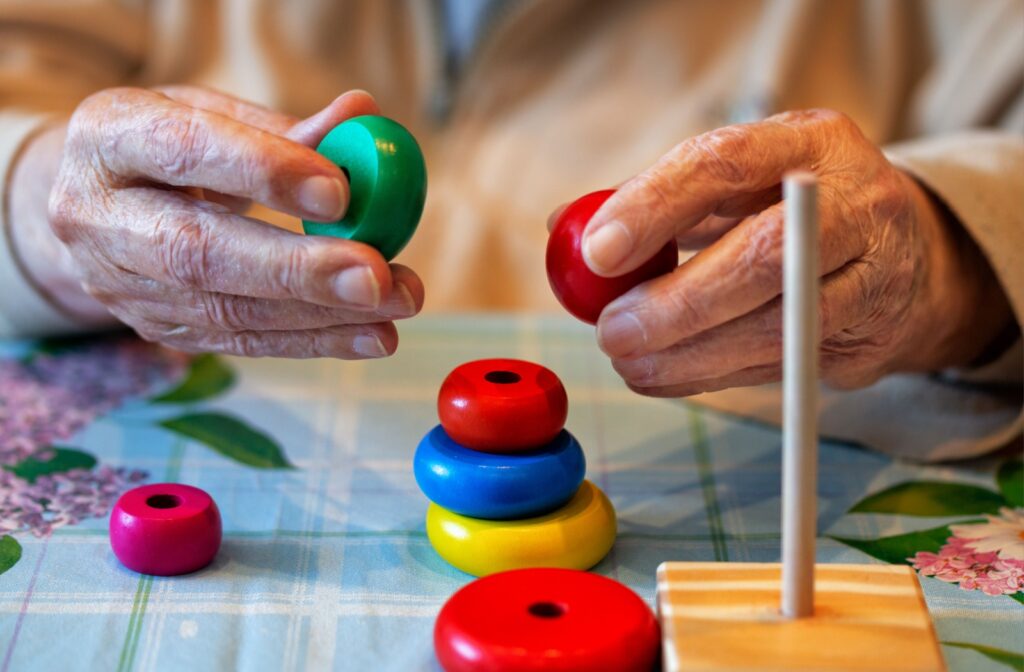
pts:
[148, 201]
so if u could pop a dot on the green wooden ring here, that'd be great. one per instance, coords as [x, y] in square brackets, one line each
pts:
[388, 183]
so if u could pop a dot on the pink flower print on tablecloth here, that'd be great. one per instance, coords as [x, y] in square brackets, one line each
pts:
[1003, 533]
[56, 500]
[981, 556]
[51, 396]
[45, 400]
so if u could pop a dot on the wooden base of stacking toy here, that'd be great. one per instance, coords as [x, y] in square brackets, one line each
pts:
[725, 616]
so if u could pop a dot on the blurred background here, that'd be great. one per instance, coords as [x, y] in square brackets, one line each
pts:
[521, 105]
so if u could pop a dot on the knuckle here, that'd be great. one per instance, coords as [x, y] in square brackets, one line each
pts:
[63, 213]
[92, 121]
[722, 154]
[102, 293]
[245, 344]
[640, 371]
[652, 185]
[178, 144]
[821, 116]
[830, 116]
[832, 124]
[172, 90]
[225, 312]
[769, 325]
[183, 248]
[888, 201]
[323, 344]
[298, 267]
[688, 314]
[82, 123]
[760, 260]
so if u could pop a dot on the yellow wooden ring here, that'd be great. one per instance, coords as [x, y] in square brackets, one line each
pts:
[576, 536]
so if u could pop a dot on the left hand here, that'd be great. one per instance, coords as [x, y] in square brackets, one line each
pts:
[903, 288]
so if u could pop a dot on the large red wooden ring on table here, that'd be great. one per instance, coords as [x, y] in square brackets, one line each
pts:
[502, 405]
[581, 291]
[546, 619]
[165, 529]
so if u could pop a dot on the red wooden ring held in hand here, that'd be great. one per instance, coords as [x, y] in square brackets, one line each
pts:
[582, 292]
[550, 619]
[502, 405]
[165, 529]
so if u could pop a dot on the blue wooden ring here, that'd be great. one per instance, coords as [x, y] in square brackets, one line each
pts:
[498, 486]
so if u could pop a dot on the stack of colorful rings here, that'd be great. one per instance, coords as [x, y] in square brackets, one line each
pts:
[505, 478]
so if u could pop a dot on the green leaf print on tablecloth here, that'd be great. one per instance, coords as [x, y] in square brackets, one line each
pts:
[1014, 660]
[10, 552]
[51, 461]
[230, 437]
[208, 376]
[896, 549]
[985, 555]
[52, 390]
[1010, 478]
[928, 498]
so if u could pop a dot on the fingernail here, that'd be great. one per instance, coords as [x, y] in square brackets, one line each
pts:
[358, 286]
[324, 198]
[368, 346]
[400, 303]
[605, 248]
[621, 334]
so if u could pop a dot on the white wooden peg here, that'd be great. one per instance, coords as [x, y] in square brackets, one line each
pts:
[800, 393]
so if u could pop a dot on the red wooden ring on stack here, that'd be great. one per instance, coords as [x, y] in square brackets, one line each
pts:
[502, 405]
[550, 619]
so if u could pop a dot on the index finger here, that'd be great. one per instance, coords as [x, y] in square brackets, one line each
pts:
[191, 245]
[697, 178]
[153, 137]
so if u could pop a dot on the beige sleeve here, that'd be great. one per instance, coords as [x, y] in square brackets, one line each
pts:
[23, 310]
[980, 176]
[52, 55]
[957, 414]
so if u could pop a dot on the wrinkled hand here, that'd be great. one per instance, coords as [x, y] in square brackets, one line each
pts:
[149, 198]
[899, 286]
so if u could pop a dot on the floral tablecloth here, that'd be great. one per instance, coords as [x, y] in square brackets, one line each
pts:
[325, 564]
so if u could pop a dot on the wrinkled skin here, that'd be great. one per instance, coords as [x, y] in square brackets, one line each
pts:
[149, 201]
[902, 287]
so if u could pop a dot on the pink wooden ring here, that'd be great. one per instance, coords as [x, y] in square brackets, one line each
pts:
[165, 529]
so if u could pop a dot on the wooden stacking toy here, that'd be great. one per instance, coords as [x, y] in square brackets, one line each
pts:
[387, 183]
[510, 493]
[165, 529]
[798, 615]
[502, 405]
[581, 291]
[546, 619]
[496, 486]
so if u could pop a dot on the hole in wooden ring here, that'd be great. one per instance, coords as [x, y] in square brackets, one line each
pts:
[502, 377]
[546, 609]
[164, 501]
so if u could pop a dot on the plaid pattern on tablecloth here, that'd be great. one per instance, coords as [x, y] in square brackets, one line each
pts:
[327, 566]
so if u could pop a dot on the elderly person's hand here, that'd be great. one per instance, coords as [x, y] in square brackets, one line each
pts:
[148, 201]
[902, 287]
